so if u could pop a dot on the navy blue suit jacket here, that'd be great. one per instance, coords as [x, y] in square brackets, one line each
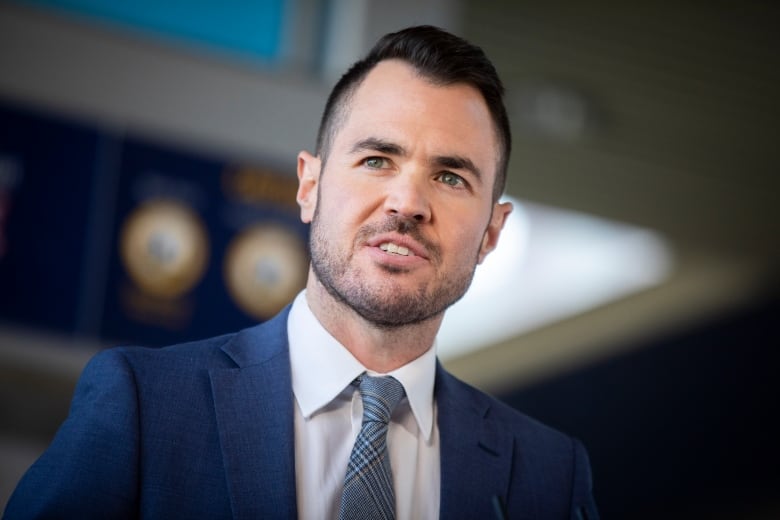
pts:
[205, 430]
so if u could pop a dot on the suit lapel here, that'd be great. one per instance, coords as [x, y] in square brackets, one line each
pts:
[254, 409]
[476, 454]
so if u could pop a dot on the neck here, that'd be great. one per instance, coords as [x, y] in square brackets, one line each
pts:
[379, 349]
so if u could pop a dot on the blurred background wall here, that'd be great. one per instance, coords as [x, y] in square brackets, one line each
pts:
[147, 161]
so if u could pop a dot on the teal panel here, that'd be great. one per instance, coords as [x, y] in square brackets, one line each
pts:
[249, 27]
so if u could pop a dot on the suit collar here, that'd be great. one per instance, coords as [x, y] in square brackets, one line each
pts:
[476, 451]
[258, 344]
[254, 409]
[257, 434]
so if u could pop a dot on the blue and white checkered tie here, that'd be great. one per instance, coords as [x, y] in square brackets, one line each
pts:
[368, 487]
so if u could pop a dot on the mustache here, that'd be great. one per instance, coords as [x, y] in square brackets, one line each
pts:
[402, 226]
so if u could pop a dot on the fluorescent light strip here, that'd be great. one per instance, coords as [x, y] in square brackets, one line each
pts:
[550, 264]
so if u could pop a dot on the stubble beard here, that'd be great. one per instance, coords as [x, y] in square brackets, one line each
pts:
[383, 304]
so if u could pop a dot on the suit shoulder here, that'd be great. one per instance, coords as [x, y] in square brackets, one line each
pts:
[245, 347]
[200, 353]
[199, 347]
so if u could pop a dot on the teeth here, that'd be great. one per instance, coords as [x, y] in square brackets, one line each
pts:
[395, 248]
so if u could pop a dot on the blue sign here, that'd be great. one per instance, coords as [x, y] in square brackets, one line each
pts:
[202, 246]
[128, 240]
[48, 170]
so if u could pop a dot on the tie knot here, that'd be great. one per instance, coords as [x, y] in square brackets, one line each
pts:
[380, 397]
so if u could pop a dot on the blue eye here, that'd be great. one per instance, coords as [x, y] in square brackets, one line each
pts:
[451, 179]
[375, 162]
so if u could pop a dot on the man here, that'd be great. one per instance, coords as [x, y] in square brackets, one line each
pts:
[402, 197]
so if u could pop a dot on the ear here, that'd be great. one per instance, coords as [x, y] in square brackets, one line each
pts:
[308, 179]
[501, 211]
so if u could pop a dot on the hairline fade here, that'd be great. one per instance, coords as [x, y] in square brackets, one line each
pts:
[440, 58]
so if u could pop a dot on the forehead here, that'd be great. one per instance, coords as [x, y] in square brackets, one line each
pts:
[395, 102]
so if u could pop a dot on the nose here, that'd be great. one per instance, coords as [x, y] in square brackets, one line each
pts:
[407, 197]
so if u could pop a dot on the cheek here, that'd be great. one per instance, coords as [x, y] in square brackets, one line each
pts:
[465, 244]
[351, 203]
[336, 214]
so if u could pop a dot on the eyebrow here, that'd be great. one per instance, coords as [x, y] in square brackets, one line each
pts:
[453, 162]
[378, 145]
[456, 162]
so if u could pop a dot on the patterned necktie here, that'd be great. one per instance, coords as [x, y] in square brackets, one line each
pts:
[368, 487]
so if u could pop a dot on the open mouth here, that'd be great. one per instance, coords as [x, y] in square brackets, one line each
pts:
[395, 249]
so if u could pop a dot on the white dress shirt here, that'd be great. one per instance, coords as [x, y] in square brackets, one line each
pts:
[328, 417]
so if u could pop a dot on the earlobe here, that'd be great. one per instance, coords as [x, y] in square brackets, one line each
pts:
[308, 178]
[501, 211]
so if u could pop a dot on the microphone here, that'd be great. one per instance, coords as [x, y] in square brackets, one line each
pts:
[498, 507]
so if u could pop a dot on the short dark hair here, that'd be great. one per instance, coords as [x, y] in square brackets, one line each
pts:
[440, 57]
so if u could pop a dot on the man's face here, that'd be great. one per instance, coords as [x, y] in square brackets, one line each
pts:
[404, 211]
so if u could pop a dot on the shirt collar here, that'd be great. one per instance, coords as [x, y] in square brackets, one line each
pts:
[322, 368]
